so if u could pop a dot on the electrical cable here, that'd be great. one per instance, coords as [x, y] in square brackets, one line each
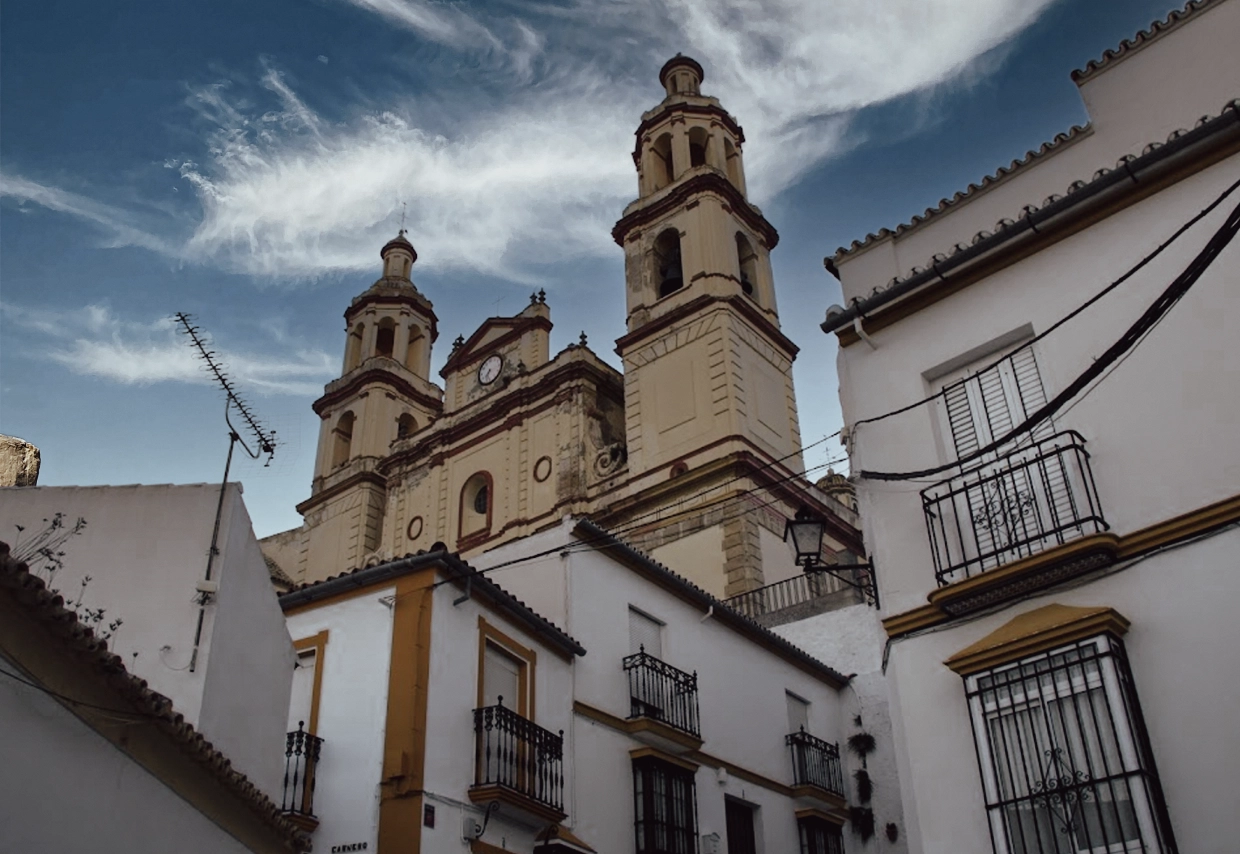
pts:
[1131, 337]
[1076, 311]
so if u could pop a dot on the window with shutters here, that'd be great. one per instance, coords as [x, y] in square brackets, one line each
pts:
[645, 634]
[1032, 491]
[798, 712]
[819, 836]
[739, 821]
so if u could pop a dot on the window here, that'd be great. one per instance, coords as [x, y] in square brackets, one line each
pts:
[1065, 760]
[501, 678]
[661, 162]
[819, 836]
[476, 505]
[301, 696]
[985, 406]
[739, 819]
[645, 633]
[698, 142]
[798, 713]
[665, 807]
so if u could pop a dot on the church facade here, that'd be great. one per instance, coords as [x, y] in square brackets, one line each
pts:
[692, 453]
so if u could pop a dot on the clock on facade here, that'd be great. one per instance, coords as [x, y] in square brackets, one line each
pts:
[489, 370]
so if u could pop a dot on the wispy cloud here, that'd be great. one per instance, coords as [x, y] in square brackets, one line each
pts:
[116, 224]
[519, 156]
[92, 341]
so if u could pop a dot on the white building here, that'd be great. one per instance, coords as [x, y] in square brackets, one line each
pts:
[91, 759]
[212, 640]
[1052, 508]
[654, 719]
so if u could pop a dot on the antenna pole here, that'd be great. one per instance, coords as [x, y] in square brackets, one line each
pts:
[265, 443]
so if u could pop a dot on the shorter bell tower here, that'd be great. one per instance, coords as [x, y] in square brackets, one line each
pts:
[382, 395]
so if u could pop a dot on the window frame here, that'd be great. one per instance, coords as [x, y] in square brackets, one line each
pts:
[1061, 675]
[833, 835]
[646, 789]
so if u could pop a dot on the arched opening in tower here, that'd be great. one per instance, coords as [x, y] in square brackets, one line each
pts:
[698, 139]
[733, 158]
[661, 162]
[748, 261]
[385, 337]
[413, 352]
[405, 425]
[342, 443]
[353, 349]
[668, 268]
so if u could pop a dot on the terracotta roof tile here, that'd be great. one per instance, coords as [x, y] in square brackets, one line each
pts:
[1128, 46]
[48, 608]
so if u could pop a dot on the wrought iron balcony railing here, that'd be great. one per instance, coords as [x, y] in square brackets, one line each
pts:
[661, 692]
[517, 754]
[1005, 509]
[815, 762]
[813, 585]
[301, 762]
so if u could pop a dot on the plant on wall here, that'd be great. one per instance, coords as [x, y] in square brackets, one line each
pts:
[862, 744]
[44, 557]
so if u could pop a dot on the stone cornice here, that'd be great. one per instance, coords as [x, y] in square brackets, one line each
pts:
[738, 303]
[709, 181]
[468, 352]
[375, 376]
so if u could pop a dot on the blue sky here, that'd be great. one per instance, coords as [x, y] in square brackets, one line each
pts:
[244, 161]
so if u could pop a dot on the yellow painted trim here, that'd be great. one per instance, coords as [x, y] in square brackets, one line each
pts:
[1134, 544]
[837, 820]
[1106, 542]
[404, 743]
[342, 596]
[630, 727]
[643, 752]
[696, 755]
[527, 657]
[319, 644]
[1036, 631]
[505, 795]
[816, 793]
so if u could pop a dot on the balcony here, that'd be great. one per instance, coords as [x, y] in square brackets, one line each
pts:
[518, 763]
[1009, 509]
[813, 592]
[301, 761]
[663, 703]
[816, 771]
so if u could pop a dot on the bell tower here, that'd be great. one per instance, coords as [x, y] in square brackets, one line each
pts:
[707, 370]
[382, 395]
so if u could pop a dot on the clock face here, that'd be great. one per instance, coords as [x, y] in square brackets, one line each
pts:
[489, 370]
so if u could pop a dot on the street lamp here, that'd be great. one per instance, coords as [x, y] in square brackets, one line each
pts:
[805, 531]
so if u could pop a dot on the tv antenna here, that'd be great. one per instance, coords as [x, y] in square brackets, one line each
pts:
[264, 442]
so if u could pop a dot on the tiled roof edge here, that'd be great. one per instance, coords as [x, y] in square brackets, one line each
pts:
[722, 610]
[48, 608]
[1127, 47]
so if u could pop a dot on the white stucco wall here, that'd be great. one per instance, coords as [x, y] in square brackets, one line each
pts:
[145, 549]
[742, 703]
[63, 787]
[352, 712]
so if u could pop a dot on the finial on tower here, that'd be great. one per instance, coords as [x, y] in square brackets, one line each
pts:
[682, 75]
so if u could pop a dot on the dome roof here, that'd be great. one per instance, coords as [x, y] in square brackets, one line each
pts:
[398, 242]
[680, 61]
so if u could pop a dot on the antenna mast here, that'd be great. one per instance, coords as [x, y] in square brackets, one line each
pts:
[264, 442]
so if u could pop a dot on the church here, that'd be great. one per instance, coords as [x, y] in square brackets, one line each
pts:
[692, 454]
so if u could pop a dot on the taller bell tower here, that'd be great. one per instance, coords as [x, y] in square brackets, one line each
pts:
[707, 371]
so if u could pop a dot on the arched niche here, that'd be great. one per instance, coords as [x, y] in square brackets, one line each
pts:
[669, 273]
[406, 425]
[342, 440]
[477, 501]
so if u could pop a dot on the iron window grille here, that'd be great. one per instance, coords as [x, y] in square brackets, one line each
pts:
[659, 691]
[665, 807]
[815, 762]
[518, 754]
[819, 836]
[301, 763]
[1064, 755]
[1024, 502]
